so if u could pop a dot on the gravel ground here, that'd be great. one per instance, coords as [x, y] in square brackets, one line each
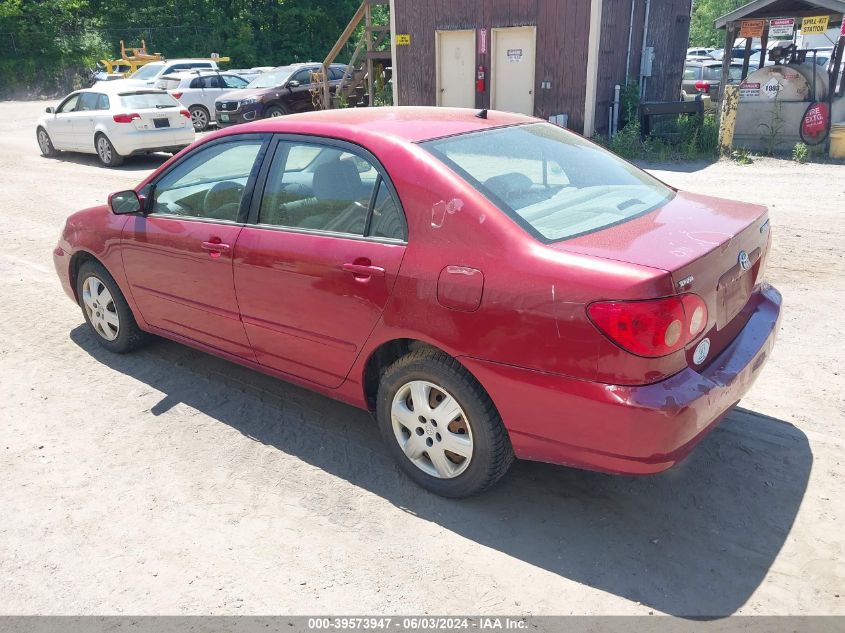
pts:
[169, 481]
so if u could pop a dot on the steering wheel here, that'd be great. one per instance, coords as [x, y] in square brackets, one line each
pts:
[222, 194]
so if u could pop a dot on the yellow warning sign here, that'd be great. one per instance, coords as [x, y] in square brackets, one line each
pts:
[814, 25]
[403, 39]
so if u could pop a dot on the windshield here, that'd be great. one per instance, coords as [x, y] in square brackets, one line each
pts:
[555, 184]
[272, 78]
[147, 72]
[141, 100]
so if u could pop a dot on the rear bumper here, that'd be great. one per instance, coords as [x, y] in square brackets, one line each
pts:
[141, 141]
[624, 429]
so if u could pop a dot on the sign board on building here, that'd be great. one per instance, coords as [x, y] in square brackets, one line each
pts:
[781, 28]
[814, 25]
[515, 55]
[752, 28]
[403, 39]
[482, 41]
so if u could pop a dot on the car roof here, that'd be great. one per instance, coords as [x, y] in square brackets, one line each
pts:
[407, 123]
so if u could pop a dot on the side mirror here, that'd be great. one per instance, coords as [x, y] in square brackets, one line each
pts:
[50, 110]
[293, 83]
[126, 202]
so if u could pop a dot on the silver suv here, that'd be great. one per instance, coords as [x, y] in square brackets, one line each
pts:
[198, 89]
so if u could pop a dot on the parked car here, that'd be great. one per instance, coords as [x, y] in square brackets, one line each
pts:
[736, 53]
[147, 76]
[102, 74]
[489, 287]
[251, 73]
[197, 91]
[699, 52]
[115, 122]
[281, 91]
[704, 78]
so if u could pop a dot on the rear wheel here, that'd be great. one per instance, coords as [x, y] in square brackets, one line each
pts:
[106, 311]
[441, 426]
[274, 111]
[199, 118]
[44, 143]
[106, 152]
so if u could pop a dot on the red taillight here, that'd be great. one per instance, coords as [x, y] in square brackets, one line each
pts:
[702, 86]
[651, 328]
[185, 113]
[176, 95]
[126, 118]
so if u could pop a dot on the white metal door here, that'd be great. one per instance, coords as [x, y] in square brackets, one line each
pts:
[512, 72]
[456, 69]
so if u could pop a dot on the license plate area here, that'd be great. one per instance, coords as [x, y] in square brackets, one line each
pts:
[734, 289]
[163, 122]
[224, 117]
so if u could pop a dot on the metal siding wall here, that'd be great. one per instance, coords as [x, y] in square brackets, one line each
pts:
[668, 32]
[615, 23]
[562, 36]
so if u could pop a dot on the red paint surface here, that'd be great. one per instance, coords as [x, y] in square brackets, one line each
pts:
[289, 303]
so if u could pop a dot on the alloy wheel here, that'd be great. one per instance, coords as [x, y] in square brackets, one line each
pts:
[44, 142]
[199, 119]
[432, 429]
[104, 149]
[100, 308]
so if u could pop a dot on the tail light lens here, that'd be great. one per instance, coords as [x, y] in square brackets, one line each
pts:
[652, 328]
[702, 86]
[176, 94]
[185, 113]
[126, 118]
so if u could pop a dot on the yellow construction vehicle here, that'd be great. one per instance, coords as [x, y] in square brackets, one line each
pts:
[130, 60]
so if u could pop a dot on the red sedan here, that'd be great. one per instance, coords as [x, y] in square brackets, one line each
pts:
[490, 286]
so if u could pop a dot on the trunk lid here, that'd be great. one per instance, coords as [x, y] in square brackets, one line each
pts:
[160, 118]
[711, 247]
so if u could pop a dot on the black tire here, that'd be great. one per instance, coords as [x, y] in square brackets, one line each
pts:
[45, 143]
[200, 118]
[492, 453]
[129, 335]
[274, 111]
[106, 152]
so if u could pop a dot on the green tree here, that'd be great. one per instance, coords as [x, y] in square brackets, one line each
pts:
[704, 13]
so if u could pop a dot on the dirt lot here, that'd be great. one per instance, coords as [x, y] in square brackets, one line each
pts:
[169, 481]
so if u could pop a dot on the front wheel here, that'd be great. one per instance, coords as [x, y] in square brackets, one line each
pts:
[105, 309]
[106, 152]
[45, 144]
[274, 111]
[441, 426]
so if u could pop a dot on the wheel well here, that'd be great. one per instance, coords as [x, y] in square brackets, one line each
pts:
[200, 106]
[383, 357]
[79, 258]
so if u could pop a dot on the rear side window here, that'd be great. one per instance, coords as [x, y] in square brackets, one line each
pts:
[197, 82]
[338, 192]
[553, 183]
[103, 102]
[691, 72]
[141, 100]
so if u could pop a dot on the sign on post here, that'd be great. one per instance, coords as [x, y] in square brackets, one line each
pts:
[403, 39]
[814, 25]
[781, 28]
[752, 28]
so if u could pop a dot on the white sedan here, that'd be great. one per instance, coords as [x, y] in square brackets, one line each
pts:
[114, 123]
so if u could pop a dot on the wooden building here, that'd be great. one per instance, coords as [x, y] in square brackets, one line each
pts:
[540, 57]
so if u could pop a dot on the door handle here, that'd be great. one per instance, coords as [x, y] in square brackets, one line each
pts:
[362, 272]
[215, 248]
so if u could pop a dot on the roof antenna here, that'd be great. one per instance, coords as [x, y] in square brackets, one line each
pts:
[482, 114]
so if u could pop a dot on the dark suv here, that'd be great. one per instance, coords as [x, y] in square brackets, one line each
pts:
[283, 90]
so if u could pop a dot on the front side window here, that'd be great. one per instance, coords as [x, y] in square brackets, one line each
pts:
[210, 183]
[323, 188]
[69, 104]
[87, 101]
[553, 183]
[231, 81]
[303, 76]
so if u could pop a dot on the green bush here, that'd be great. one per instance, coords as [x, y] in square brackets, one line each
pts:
[801, 153]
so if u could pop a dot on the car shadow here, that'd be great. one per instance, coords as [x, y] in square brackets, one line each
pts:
[141, 162]
[695, 541]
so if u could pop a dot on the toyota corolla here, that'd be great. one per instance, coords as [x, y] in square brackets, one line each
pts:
[489, 285]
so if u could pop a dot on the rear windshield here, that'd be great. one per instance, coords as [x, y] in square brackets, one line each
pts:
[141, 100]
[554, 183]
